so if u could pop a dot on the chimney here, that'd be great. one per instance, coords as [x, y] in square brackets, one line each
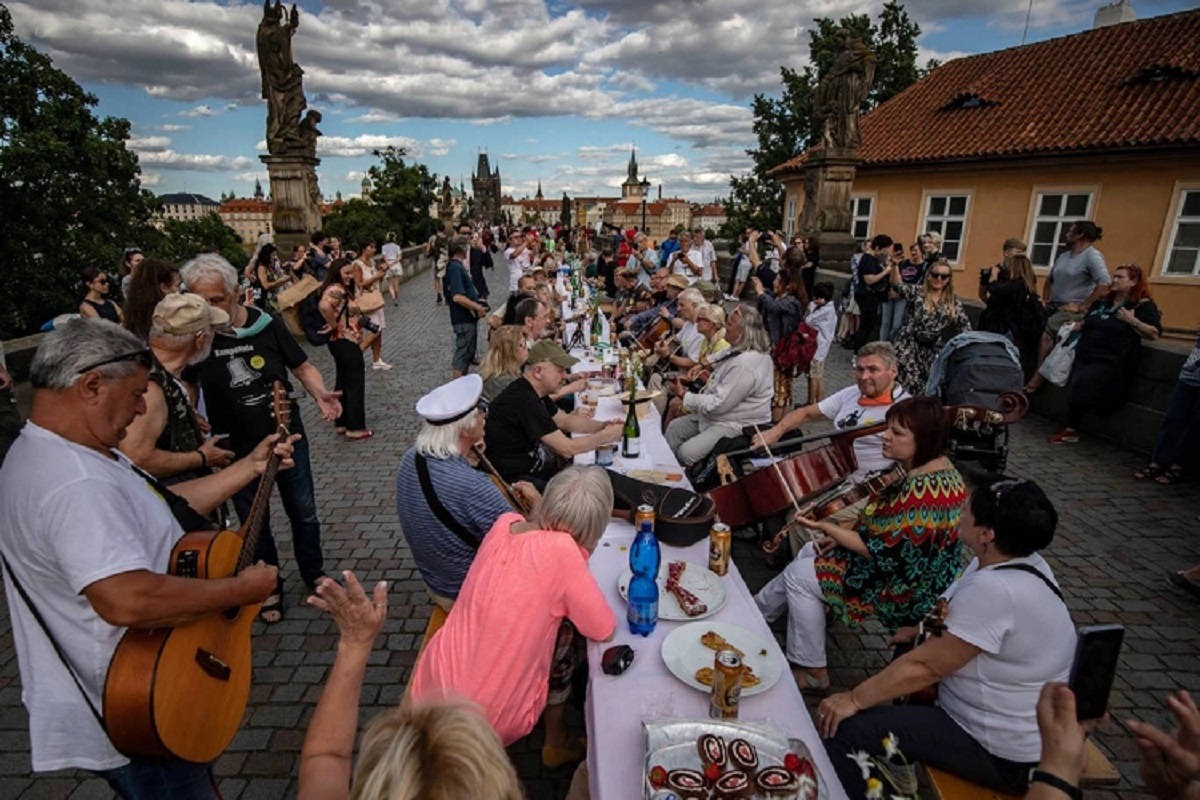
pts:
[660, 192]
[1114, 14]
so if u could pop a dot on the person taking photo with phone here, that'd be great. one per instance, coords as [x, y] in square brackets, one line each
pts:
[1007, 631]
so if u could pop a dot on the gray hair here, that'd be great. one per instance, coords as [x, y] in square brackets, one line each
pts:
[754, 333]
[70, 347]
[578, 500]
[458, 245]
[692, 295]
[209, 267]
[441, 441]
[884, 350]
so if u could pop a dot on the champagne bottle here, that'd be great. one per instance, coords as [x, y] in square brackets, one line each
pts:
[631, 435]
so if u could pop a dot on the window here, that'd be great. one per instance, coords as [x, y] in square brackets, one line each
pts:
[790, 222]
[860, 212]
[947, 214]
[1184, 256]
[1055, 212]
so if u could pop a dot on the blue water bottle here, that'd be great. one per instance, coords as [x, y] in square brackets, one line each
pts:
[644, 560]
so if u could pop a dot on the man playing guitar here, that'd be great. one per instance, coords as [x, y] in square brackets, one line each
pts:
[865, 403]
[86, 539]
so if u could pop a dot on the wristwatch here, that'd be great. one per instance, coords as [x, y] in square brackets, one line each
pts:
[1069, 789]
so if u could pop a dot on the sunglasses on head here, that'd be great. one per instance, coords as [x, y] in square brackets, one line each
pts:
[142, 357]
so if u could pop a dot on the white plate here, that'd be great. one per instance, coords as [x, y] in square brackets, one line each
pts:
[697, 579]
[683, 654]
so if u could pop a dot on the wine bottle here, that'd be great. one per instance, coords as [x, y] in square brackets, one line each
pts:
[631, 435]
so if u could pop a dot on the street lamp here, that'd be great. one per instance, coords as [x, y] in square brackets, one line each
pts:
[645, 191]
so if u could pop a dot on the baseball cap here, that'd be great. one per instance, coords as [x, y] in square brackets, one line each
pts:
[186, 313]
[546, 350]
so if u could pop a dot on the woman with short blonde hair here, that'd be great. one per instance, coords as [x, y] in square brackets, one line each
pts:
[506, 355]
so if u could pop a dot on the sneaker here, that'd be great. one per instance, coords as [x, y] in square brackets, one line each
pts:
[381, 365]
[1065, 436]
[439, 299]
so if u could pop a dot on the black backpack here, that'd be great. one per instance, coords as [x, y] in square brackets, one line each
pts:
[1030, 318]
[311, 320]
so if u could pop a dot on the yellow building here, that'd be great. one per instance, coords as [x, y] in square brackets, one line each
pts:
[1101, 125]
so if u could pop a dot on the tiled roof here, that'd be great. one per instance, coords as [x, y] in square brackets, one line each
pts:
[186, 199]
[245, 204]
[711, 210]
[1136, 84]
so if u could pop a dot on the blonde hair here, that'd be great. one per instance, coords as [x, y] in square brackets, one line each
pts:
[504, 352]
[433, 751]
[1021, 269]
[947, 299]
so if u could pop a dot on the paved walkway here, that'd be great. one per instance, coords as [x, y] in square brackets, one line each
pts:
[1118, 539]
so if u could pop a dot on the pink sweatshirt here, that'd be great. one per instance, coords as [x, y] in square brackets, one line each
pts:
[498, 640]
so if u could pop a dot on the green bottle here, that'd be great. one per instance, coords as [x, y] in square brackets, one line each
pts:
[631, 435]
[597, 327]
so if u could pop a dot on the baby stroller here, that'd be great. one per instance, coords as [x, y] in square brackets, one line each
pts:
[974, 369]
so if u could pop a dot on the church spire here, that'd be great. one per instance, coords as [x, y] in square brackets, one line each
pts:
[633, 167]
[539, 195]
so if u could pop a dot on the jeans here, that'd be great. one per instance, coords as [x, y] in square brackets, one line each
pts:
[927, 735]
[152, 779]
[299, 501]
[893, 318]
[1179, 434]
[351, 380]
[465, 339]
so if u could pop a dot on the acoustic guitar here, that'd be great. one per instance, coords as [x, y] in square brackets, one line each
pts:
[181, 692]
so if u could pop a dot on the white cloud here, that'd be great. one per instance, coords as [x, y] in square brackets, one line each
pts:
[364, 144]
[143, 144]
[150, 179]
[199, 111]
[250, 177]
[374, 116]
[355, 175]
[173, 128]
[441, 147]
[169, 159]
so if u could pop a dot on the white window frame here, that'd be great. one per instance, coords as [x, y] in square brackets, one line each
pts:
[855, 217]
[1035, 202]
[927, 220]
[789, 224]
[1167, 239]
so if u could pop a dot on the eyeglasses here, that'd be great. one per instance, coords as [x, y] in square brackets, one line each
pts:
[142, 357]
[939, 276]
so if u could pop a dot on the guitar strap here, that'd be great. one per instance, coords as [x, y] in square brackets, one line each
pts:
[37, 615]
[435, 505]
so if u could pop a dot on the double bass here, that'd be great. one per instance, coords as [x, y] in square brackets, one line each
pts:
[798, 477]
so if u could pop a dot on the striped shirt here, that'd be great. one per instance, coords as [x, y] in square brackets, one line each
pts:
[472, 500]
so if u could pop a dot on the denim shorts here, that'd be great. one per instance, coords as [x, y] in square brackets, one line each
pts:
[465, 334]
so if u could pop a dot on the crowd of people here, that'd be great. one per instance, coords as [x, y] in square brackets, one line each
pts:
[119, 458]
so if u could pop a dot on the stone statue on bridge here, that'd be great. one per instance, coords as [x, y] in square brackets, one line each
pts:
[282, 78]
[842, 90]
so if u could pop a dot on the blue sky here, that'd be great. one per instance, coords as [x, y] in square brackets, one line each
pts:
[554, 91]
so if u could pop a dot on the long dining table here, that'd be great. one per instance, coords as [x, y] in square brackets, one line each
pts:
[618, 706]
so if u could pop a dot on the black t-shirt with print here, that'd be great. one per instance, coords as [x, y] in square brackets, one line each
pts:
[516, 422]
[238, 377]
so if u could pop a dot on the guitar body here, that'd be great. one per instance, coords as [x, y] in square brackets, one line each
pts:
[181, 692]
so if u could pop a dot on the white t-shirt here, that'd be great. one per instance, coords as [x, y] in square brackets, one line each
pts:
[690, 338]
[709, 256]
[844, 409]
[678, 267]
[70, 517]
[390, 252]
[516, 266]
[823, 319]
[1026, 639]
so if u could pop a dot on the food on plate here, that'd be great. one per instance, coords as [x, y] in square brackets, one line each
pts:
[692, 606]
[658, 777]
[744, 755]
[688, 783]
[712, 750]
[777, 782]
[704, 676]
[733, 784]
[715, 641]
[675, 571]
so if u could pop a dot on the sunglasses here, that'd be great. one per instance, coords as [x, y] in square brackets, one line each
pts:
[939, 276]
[142, 357]
[101, 281]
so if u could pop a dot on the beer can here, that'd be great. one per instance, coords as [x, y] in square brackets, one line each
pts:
[645, 515]
[604, 455]
[726, 685]
[720, 540]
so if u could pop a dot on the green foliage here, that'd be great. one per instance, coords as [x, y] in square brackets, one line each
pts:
[404, 192]
[358, 220]
[183, 239]
[786, 126]
[70, 195]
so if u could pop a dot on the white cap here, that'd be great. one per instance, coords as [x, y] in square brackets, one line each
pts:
[451, 401]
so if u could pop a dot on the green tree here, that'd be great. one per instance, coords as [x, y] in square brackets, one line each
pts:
[358, 220]
[404, 192]
[182, 239]
[785, 126]
[70, 194]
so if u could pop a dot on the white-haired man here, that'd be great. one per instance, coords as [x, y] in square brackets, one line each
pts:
[446, 506]
[167, 440]
[86, 540]
[237, 379]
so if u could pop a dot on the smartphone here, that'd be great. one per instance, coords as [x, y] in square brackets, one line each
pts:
[1096, 653]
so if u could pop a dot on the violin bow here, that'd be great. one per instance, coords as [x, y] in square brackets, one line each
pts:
[778, 472]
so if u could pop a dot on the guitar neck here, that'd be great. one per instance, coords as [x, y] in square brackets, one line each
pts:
[252, 525]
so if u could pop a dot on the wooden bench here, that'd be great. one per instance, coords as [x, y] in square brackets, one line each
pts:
[1097, 771]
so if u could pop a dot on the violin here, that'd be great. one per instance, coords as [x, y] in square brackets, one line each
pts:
[843, 495]
[744, 500]
[506, 489]
[655, 331]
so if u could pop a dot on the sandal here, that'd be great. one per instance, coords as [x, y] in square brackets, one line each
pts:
[810, 684]
[356, 437]
[271, 611]
[1151, 472]
[1170, 475]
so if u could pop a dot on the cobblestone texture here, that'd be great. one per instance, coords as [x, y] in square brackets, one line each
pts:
[1117, 540]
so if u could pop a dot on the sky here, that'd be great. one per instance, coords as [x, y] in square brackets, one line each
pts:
[553, 91]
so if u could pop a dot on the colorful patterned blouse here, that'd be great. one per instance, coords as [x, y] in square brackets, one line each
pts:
[911, 532]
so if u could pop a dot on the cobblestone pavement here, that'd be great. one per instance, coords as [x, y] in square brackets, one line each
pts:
[1117, 540]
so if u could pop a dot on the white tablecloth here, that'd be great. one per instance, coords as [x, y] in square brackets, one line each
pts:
[617, 706]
